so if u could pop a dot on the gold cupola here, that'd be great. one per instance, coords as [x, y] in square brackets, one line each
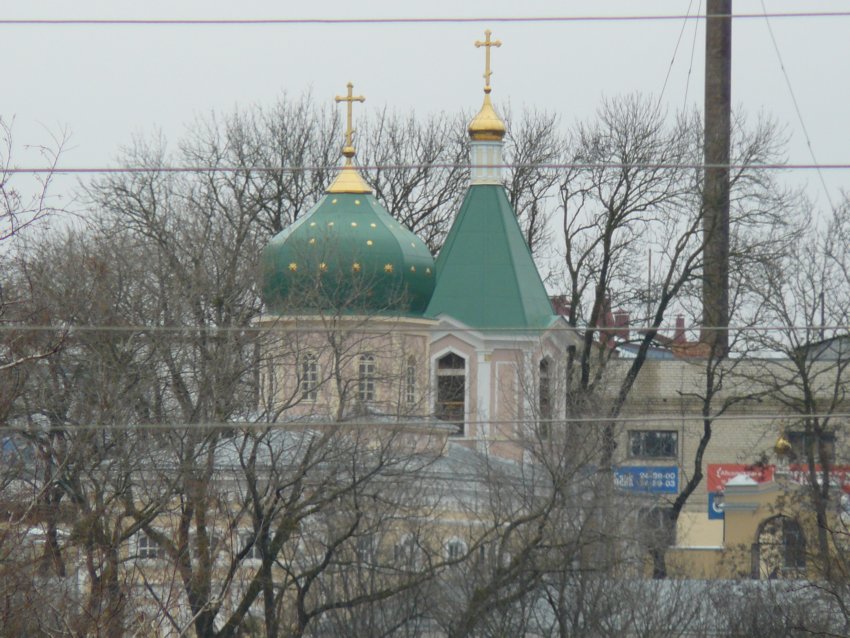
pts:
[486, 130]
[349, 180]
[783, 446]
[487, 126]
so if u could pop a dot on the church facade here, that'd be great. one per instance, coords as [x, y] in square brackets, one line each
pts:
[372, 327]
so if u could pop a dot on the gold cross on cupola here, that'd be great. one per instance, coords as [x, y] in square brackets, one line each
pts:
[348, 180]
[487, 44]
[350, 99]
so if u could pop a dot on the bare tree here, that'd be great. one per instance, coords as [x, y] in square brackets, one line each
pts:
[533, 144]
[803, 297]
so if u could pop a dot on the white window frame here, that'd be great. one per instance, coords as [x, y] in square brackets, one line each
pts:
[366, 378]
[147, 548]
[641, 454]
[253, 554]
[410, 382]
[309, 377]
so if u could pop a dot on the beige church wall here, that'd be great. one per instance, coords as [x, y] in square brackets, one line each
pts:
[393, 342]
[507, 393]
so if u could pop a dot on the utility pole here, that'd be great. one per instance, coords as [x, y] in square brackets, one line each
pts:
[718, 108]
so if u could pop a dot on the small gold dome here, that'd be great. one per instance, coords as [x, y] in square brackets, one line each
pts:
[487, 126]
[782, 446]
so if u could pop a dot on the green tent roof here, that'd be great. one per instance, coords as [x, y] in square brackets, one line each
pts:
[486, 277]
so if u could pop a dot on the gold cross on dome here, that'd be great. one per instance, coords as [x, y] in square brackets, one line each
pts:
[348, 149]
[488, 44]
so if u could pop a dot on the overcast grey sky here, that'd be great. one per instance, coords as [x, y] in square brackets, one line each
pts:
[109, 83]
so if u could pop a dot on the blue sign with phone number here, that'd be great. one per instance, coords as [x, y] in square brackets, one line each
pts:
[651, 479]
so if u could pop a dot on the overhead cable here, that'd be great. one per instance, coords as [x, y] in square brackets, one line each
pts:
[361, 325]
[403, 20]
[72, 170]
[308, 423]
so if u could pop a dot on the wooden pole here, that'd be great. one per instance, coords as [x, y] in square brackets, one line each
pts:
[718, 107]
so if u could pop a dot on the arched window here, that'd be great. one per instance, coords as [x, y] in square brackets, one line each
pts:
[366, 378]
[309, 377]
[451, 388]
[780, 550]
[455, 549]
[410, 382]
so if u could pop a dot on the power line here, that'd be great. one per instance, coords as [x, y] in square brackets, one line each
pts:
[77, 170]
[418, 421]
[400, 20]
[364, 328]
[691, 63]
[796, 105]
[342, 323]
[675, 52]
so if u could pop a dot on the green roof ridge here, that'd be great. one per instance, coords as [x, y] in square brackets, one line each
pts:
[486, 277]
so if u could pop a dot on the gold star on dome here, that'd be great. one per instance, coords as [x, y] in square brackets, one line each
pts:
[388, 268]
[312, 241]
[293, 266]
[323, 267]
[355, 267]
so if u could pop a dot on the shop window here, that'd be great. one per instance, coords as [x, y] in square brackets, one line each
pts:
[653, 444]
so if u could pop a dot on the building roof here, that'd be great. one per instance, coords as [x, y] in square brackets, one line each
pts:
[347, 254]
[486, 276]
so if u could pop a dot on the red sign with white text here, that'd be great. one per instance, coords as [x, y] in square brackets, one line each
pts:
[838, 474]
[720, 473]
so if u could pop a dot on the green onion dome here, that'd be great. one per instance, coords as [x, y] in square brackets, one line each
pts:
[347, 255]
